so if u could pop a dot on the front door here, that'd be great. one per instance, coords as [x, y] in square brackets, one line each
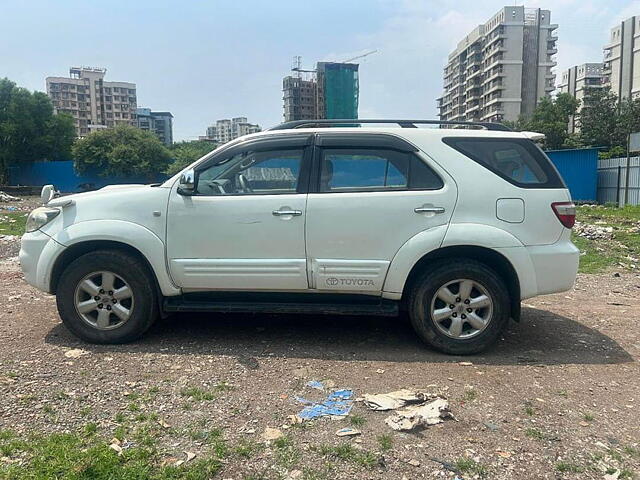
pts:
[243, 229]
[371, 194]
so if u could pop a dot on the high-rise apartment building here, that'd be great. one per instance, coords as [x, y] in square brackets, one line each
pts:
[226, 130]
[329, 91]
[501, 69]
[92, 102]
[576, 81]
[160, 123]
[622, 59]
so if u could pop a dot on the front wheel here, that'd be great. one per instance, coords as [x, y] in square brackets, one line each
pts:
[107, 296]
[459, 307]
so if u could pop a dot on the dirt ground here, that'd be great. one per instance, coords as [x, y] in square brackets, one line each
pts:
[558, 397]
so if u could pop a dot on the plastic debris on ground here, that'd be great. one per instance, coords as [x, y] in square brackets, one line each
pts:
[5, 197]
[417, 409]
[348, 432]
[336, 404]
[393, 400]
[315, 384]
[410, 418]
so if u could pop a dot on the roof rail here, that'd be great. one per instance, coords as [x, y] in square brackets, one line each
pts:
[348, 122]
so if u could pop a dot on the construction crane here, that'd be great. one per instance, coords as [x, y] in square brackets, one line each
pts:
[360, 56]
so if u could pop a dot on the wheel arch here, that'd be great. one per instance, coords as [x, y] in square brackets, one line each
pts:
[85, 236]
[485, 255]
[76, 250]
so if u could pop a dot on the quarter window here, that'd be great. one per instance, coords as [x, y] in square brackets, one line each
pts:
[349, 170]
[518, 161]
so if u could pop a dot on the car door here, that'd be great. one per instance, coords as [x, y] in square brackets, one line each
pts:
[243, 227]
[369, 195]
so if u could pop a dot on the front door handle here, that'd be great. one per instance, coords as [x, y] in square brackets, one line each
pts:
[429, 209]
[282, 213]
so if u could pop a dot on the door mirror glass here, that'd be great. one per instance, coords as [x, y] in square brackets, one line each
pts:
[187, 184]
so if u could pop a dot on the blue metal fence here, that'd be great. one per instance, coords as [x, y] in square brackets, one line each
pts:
[66, 179]
[579, 169]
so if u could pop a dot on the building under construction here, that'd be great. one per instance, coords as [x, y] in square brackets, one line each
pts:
[329, 91]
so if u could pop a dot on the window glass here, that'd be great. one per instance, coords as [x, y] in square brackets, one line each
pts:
[252, 173]
[344, 170]
[518, 161]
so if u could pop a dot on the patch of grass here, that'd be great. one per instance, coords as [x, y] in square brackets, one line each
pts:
[247, 448]
[535, 434]
[77, 457]
[563, 393]
[197, 394]
[469, 395]
[529, 409]
[214, 438]
[90, 428]
[287, 456]
[631, 451]
[12, 223]
[385, 441]
[325, 473]
[348, 453]
[48, 409]
[569, 467]
[603, 254]
[133, 407]
[588, 416]
[468, 465]
[120, 417]
[357, 420]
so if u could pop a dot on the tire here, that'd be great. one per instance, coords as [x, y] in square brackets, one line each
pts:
[101, 319]
[454, 335]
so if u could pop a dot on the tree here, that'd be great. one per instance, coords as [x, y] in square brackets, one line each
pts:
[185, 153]
[121, 151]
[551, 117]
[598, 118]
[29, 130]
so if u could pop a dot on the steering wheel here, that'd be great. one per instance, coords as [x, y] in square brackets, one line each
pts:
[244, 184]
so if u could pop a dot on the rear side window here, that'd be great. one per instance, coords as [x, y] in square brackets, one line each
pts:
[519, 161]
[362, 169]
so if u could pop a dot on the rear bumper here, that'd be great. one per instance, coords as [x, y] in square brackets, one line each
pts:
[555, 266]
[544, 269]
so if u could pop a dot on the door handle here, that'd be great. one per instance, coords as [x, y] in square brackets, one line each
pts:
[282, 213]
[429, 209]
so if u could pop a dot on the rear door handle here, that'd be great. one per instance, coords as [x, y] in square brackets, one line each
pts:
[429, 209]
[282, 213]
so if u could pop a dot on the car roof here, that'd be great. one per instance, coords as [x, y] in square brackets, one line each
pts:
[397, 131]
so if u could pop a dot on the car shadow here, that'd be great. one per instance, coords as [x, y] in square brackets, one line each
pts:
[540, 338]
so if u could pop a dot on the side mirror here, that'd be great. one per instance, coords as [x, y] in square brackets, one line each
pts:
[47, 194]
[187, 184]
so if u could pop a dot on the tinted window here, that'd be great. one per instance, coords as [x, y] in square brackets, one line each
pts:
[518, 161]
[345, 170]
[252, 173]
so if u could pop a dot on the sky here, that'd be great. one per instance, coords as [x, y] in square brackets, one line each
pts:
[207, 60]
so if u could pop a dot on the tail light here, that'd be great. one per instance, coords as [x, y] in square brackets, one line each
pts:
[566, 213]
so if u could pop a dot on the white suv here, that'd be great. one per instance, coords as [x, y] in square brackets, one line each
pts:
[454, 226]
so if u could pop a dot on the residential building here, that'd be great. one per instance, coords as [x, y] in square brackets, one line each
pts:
[160, 123]
[91, 101]
[622, 59]
[226, 130]
[576, 81]
[501, 69]
[329, 91]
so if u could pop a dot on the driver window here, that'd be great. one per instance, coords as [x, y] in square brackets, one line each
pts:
[253, 173]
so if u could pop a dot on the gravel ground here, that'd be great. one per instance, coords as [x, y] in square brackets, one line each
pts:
[558, 394]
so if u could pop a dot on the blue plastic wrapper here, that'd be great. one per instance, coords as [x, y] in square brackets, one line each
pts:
[337, 403]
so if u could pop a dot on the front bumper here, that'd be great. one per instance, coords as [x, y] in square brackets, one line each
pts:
[38, 252]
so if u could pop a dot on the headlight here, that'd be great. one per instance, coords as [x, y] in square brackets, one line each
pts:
[40, 217]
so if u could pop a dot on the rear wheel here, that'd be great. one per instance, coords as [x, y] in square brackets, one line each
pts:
[459, 307]
[107, 296]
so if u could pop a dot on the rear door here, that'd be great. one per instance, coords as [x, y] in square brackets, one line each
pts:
[369, 194]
